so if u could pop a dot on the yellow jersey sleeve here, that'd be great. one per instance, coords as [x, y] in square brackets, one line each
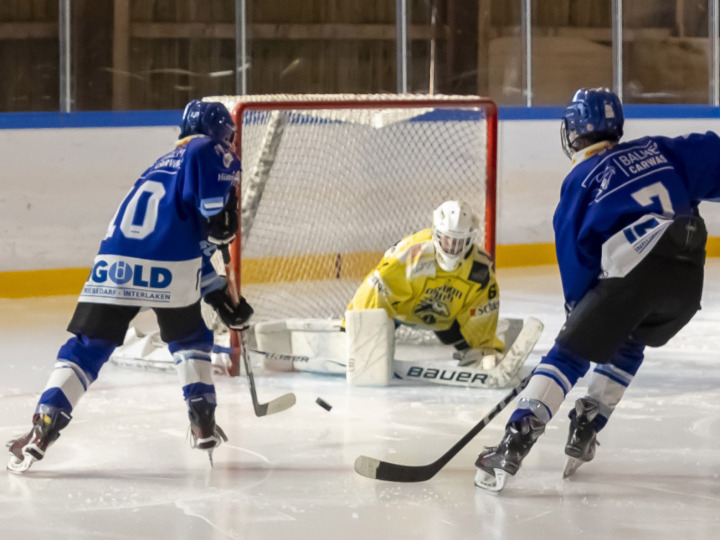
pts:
[386, 286]
[410, 286]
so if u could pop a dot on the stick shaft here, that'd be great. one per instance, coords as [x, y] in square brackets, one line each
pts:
[261, 409]
[395, 472]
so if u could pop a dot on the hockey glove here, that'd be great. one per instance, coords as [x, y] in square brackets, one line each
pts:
[234, 316]
[223, 226]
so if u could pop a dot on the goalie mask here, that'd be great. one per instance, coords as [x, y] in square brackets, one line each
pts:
[208, 118]
[453, 232]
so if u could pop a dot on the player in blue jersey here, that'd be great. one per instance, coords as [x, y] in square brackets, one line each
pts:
[155, 254]
[631, 249]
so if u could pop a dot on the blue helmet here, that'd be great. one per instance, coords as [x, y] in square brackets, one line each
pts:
[592, 116]
[208, 118]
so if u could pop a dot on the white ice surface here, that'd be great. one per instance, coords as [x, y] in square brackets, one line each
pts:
[124, 470]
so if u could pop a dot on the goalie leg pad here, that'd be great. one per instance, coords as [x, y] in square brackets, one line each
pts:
[273, 337]
[314, 345]
[371, 347]
[320, 344]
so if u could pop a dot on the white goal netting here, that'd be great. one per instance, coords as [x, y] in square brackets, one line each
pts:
[330, 182]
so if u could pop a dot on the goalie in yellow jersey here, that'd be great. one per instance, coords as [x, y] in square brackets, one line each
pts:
[437, 279]
[440, 279]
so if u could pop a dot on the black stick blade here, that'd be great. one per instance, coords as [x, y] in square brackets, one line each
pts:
[394, 472]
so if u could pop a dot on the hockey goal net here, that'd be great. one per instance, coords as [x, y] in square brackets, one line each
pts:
[330, 182]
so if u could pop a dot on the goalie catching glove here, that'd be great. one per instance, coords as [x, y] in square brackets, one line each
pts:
[234, 316]
[223, 226]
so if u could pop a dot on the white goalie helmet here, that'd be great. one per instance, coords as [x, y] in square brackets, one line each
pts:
[453, 231]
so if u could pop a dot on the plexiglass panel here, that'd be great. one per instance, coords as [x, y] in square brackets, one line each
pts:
[665, 51]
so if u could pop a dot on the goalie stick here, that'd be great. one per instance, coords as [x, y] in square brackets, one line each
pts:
[498, 377]
[395, 472]
[435, 371]
[261, 409]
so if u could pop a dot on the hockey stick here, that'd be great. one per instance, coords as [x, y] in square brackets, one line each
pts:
[395, 472]
[428, 371]
[436, 370]
[261, 409]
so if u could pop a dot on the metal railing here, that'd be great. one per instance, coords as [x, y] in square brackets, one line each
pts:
[403, 51]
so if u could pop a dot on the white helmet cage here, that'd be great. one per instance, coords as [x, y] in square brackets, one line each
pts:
[453, 232]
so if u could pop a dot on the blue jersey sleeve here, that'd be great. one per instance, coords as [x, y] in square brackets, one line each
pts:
[697, 158]
[211, 170]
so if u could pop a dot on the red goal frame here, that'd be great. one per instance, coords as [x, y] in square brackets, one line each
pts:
[327, 103]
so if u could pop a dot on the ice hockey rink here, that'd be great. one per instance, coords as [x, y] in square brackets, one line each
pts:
[124, 469]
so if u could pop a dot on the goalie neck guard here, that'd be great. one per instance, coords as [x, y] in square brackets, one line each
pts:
[453, 232]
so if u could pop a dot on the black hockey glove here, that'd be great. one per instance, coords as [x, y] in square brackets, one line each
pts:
[223, 226]
[234, 316]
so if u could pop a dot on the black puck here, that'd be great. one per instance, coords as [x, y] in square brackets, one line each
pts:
[324, 404]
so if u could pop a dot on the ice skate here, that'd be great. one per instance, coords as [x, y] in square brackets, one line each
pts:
[582, 439]
[496, 462]
[26, 450]
[204, 432]
[490, 482]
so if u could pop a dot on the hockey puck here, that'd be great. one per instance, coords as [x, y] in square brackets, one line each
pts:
[324, 404]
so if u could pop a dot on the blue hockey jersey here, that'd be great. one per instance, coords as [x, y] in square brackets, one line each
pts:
[617, 201]
[155, 252]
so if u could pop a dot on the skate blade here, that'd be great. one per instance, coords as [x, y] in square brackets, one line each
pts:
[19, 466]
[571, 466]
[489, 482]
[210, 457]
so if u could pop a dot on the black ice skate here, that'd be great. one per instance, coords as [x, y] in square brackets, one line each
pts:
[25, 450]
[582, 439]
[496, 462]
[205, 433]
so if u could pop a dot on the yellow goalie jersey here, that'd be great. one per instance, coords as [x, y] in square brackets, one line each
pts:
[410, 286]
